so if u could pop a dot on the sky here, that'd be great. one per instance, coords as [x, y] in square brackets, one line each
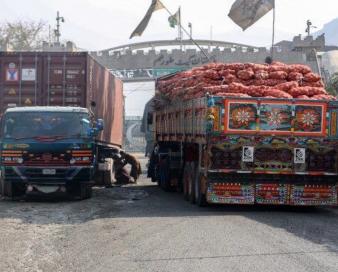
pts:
[100, 24]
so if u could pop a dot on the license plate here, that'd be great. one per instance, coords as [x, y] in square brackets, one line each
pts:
[47, 189]
[48, 171]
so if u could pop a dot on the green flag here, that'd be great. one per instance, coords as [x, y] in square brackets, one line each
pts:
[174, 20]
[155, 5]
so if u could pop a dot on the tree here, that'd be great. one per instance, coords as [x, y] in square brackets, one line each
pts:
[333, 84]
[23, 35]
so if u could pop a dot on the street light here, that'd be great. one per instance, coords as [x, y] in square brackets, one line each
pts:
[57, 30]
[308, 27]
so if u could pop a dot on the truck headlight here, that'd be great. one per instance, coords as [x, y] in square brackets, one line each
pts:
[20, 160]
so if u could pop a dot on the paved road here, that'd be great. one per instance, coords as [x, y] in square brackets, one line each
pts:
[140, 228]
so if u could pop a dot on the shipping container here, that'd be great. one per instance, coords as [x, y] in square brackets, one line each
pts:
[63, 79]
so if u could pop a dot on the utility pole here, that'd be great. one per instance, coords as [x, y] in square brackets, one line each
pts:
[180, 33]
[57, 30]
[210, 38]
[49, 35]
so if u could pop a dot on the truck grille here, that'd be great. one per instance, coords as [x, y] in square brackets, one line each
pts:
[226, 159]
[50, 159]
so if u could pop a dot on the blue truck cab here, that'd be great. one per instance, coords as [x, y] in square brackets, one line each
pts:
[48, 150]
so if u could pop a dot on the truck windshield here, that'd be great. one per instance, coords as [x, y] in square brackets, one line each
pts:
[19, 125]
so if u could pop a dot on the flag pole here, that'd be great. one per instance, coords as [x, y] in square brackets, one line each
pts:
[179, 27]
[273, 29]
[187, 33]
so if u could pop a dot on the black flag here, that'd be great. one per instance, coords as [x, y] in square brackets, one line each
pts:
[247, 12]
[155, 5]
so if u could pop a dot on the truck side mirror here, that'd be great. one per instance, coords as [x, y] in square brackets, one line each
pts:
[92, 132]
[99, 124]
[150, 118]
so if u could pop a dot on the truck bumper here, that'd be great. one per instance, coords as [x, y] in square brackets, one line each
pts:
[273, 190]
[35, 175]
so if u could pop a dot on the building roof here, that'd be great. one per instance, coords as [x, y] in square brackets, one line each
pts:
[47, 109]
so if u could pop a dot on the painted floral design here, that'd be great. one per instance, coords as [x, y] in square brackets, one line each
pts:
[274, 118]
[308, 119]
[242, 117]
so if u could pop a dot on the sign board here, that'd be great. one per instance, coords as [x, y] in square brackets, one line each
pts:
[248, 154]
[299, 155]
[28, 74]
[145, 73]
[12, 73]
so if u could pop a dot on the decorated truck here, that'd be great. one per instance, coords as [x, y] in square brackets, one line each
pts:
[223, 134]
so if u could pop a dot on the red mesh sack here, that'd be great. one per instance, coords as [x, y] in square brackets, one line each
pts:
[295, 76]
[234, 94]
[312, 77]
[303, 97]
[261, 74]
[235, 66]
[277, 93]
[245, 74]
[323, 97]
[287, 86]
[278, 75]
[319, 84]
[299, 68]
[260, 67]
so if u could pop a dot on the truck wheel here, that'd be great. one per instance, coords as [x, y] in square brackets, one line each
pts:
[186, 173]
[98, 177]
[7, 189]
[85, 191]
[1, 187]
[164, 181]
[192, 182]
[199, 195]
[108, 178]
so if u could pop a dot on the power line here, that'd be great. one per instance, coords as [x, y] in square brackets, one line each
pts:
[137, 89]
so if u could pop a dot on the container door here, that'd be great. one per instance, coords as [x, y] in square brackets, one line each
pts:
[20, 80]
[65, 82]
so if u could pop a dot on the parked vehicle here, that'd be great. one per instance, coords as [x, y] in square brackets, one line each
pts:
[244, 150]
[54, 107]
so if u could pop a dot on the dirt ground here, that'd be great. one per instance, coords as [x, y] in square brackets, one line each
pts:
[141, 228]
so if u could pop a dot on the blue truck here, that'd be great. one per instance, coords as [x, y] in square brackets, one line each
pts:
[61, 120]
[48, 150]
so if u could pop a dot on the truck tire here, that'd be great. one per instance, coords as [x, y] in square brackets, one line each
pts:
[85, 191]
[98, 177]
[7, 189]
[108, 178]
[199, 195]
[1, 187]
[164, 181]
[192, 180]
[185, 181]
